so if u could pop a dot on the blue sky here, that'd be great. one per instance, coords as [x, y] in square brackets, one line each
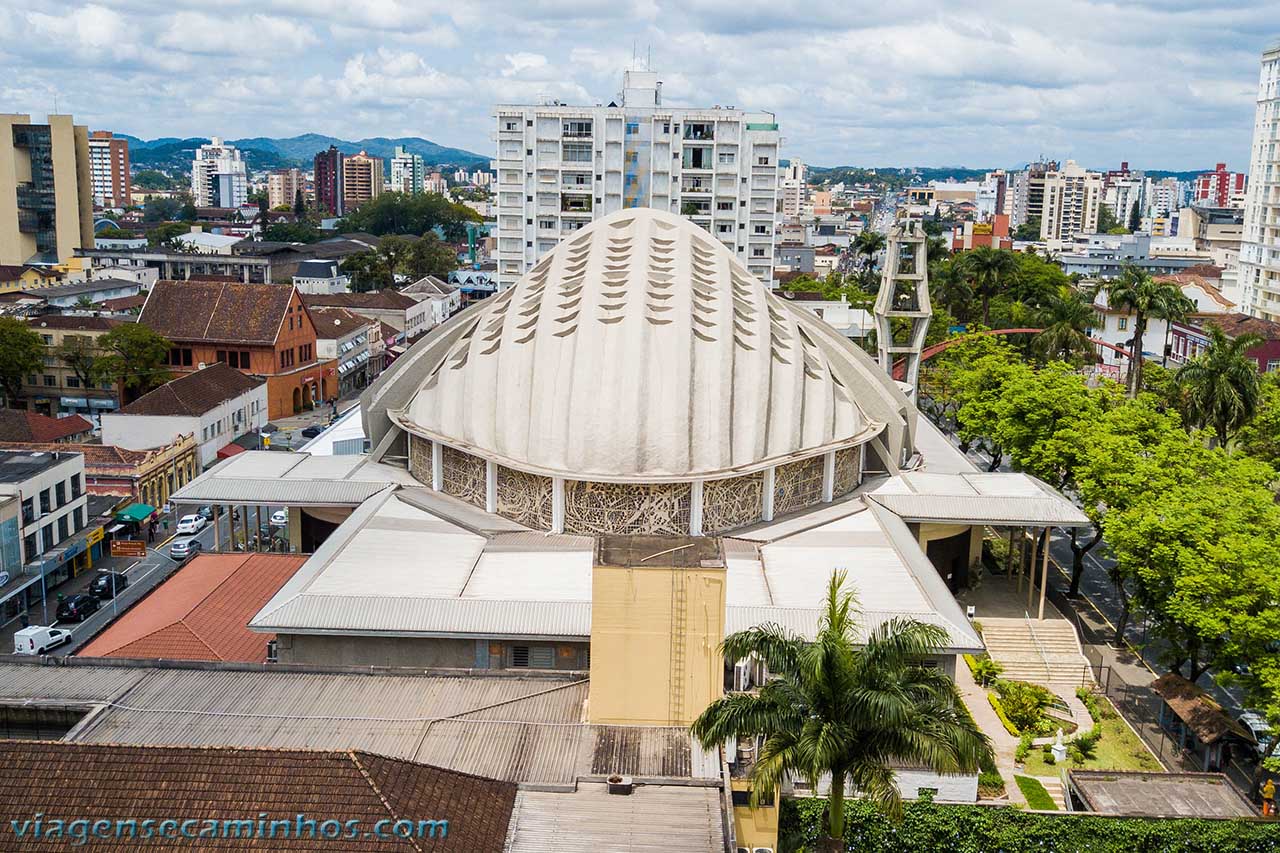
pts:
[1167, 84]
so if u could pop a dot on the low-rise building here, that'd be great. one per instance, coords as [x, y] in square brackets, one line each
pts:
[58, 389]
[321, 276]
[1103, 256]
[343, 337]
[181, 266]
[1116, 325]
[50, 487]
[20, 425]
[217, 403]
[95, 290]
[1191, 338]
[445, 298]
[403, 313]
[142, 476]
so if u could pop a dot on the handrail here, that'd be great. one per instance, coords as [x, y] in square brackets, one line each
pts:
[1066, 790]
[1039, 648]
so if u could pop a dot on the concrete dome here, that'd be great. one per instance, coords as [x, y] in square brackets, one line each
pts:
[641, 350]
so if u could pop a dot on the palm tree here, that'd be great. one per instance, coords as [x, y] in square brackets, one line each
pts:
[1221, 386]
[1134, 289]
[868, 244]
[991, 269]
[1064, 322]
[833, 708]
[950, 288]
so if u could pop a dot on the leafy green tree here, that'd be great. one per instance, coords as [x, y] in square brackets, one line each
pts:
[428, 255]
[1221, 386]
[1136, 291]
[1065, 321]
[852, 711]
[1029, 230]
[80, 354]
[1260, 436]
[299, 204]
[411, 214]
[152, 179]
[950, 287]
[1135, 218]
[21, 355]
[368, 271]
[134, 356]
[164, 235]
[867, 245]
[113, 234]
[1038, 416]
[1107, 219]
[979, 392]
[162, 210]
[990, 270]
[292, 232]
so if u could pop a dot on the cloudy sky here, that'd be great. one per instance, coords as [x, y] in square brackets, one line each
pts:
[1161, 83]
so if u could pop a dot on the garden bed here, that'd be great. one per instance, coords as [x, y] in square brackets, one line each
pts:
[1119, 748]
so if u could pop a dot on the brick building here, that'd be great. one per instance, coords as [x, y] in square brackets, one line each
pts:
[260, 329]
[1190, 339]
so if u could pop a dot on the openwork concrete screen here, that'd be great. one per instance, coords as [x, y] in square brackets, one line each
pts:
[731, 503]
[626, 507]
[525, 498]
[848, 470]
[463, 476]
[797, 485]
[420, 459]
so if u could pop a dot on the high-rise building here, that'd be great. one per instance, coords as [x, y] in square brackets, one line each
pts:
[46, 192]
[1070, 204]
[435, 183]
[362, 179]
[218, 176]
[407, 171]
[1260, 245]
[559, 167]
[1163, 197]
[327, 178]
[1218, 188]
[283, 186]
[109, 169]
[1024, 197]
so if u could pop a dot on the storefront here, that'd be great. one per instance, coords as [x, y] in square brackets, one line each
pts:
[133, 522]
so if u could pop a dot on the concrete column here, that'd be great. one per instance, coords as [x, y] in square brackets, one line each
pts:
[557, 504]
[695, 508]
[1044, 572]
[766, 513]
[295, 530]
[437, 463]
[217, 534]
[828, 476]
[490, 486]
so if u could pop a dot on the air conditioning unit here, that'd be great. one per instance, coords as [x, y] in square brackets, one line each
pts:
[731, 749]
[742, 675]
[763, 850]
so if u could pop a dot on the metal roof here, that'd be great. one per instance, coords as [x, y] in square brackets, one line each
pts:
[977, 498]
[652, 818]
[293, 479]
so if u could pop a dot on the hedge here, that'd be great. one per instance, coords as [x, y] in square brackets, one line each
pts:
[927, 827]
[1004, 720]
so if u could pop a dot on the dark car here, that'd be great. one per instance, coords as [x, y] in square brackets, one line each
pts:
[312, 431]
[77, 608]
[205, 512]
[108, 584]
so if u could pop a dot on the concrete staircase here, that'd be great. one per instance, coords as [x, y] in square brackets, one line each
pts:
[1043, 652]
[1054, 788]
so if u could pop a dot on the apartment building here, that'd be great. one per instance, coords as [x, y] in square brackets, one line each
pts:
[362, 179]
[46, 193]
[1219, 188]
[1024, 198]
[51, 489]
[327, 180]
[1260, 246]
[109, 169]
[560, 167]
[283, 186]
[407, 171]
[1164, 197]
[61, 387]
[218, 176]
[1072, 195]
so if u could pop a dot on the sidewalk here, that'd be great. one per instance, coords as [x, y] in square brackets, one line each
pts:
[1003, 744]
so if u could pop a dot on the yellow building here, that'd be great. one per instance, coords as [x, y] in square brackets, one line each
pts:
[21, 277]
[46, 201]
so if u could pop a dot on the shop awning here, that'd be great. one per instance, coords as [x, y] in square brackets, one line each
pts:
[229, 451]
[135, 512]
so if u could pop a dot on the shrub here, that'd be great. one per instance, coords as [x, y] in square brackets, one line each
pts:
[1037, 797]
[984, 670]
[1023, 703]
[1004, 720]
[1024, 748]
[1090, 702]
[990, 783]
[1083, 745]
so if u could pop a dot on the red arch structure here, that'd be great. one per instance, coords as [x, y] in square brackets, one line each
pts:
[900, 367]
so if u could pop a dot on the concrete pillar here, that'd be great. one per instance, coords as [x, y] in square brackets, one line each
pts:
[828, 476]
[217, 534]
[437, 465]
[766, 513]
[295, 530]
[1044, 572]
[557, 504]
[490, 486]
[695, 508]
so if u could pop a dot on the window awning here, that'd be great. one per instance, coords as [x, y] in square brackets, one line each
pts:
[229, 451]
[135, 512]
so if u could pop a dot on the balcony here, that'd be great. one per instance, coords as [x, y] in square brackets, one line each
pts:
[575, 204]
[699, 131]
[695, 186]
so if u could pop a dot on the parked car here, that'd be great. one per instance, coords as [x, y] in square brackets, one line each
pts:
[313, 430]
[108, 584]
[1257, 725]
[37, 639]
[193, 523]
[182, 549]
[77, 608]
[280, 518]
[205, 512]
[268, 429]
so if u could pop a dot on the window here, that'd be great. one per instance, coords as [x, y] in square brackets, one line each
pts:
[180, 357]
[49, 381]
[48, 339]
[29, 546]
[28, 511]
[726, 158]
[45, 507]
[1122, 323]
[73, 382]
[59, 493]
[62, 527]
[533, 657]
[46, 538]
[80, 517]
[1273, 364]
[762, 161]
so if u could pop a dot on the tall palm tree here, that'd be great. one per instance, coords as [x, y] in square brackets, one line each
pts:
[1064, 322]
[868, 244]
[832, 707]
[991, 270]
[1134, 289]
[948, 285]
[1221, 386]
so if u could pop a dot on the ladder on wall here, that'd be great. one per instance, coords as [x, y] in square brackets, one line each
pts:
[679, 643]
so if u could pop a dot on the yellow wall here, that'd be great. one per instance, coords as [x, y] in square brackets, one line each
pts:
[15, 168]
[655, 637]
[754, 828]
[929, 532]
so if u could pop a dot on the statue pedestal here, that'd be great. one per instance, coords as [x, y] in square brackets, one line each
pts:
[1059, 752]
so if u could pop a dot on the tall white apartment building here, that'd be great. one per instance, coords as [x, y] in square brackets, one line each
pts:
[559, 167]
[1260, 245]
[407, 171]
[218, 177]
[283, 186]
[1122, 194]
[1071, 198]
[1164, 197]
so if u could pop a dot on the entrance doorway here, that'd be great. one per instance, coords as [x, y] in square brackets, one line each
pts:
[950, 556]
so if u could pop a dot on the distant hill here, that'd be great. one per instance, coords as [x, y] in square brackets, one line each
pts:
[265, 152]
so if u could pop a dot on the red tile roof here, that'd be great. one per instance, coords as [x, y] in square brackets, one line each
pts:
[193, 393]
[209, 785]
[16, 425]
[217, 311]
[201, 612]
[124, 303]
[383, 299]
[1234, 325]
[334, 323]
[95, 455]
[73, 323]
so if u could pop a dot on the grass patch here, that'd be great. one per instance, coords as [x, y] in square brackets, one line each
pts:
[1118, 748]
[1037, 797]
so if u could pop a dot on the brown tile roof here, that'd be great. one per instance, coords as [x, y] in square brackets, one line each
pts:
[74, 323]
[217, 311]
[1234, 325]
[382, 299]
[124, 303]
[95, 455]
[193, 393]
[11, 272]
[18, 425]
[201, 612]
[78, 781]
[1203, 716]
[332, 322]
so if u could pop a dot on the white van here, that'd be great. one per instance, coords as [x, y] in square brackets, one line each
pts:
[36, 640]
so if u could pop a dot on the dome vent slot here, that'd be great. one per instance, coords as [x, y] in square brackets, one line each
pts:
[708, 338]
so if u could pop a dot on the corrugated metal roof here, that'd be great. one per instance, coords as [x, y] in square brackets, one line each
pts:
[65, 684]
[433, 616]
[242, 490]
[984, 509]
[653, 819]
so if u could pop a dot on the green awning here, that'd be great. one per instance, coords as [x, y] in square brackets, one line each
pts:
[135, 512]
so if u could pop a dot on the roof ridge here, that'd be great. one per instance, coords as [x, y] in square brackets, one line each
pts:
[368, 778]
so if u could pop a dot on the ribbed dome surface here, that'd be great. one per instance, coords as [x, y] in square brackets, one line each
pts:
[641, 349]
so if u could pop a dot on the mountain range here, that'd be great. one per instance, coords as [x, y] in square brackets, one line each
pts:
[265, 152]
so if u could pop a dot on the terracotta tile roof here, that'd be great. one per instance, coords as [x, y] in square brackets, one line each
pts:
[201, 612]
[1234, 325]
[78, 781]
[124, 303]
[217, 311]
[383, 299]
[73, 323]
[95, 455]
[333, 323]
[1203, 716]
[11, 272]
[16, 425]
[193, 393]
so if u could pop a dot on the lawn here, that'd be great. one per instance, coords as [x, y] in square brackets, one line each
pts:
[1037, 797]
[1119, 749]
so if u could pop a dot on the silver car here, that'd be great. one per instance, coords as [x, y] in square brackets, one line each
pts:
[183, 549]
